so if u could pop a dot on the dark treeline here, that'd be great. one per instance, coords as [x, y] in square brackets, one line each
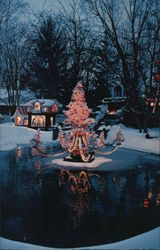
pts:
[100, 42]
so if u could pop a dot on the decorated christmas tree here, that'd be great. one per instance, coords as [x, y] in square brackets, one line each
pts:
[80, 141]
[78, 111]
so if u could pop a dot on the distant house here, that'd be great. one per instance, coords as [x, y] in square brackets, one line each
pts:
[38, 113]
[116, 99]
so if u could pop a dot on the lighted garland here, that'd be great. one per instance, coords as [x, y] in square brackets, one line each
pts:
[80, 142]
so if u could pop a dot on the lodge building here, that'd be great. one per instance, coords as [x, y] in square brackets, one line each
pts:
[40, 113]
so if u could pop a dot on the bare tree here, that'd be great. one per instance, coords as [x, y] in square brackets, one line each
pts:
[15, 59]
[14, 49]
[126, 23]
[80, 42]
[150, 46]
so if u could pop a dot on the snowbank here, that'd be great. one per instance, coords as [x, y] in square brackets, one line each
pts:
[136, 140]
[11, 135]
[149, 240]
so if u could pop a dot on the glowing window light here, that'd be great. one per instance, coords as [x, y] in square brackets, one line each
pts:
[37, 105]
[25, 122]
[38, 121]
[54, 108]
[51, 121]
[19, 152]
[18, 120]
[45, 109]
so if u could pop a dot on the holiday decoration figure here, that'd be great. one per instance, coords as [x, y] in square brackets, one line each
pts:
[79, 141]
[118, 138]
[101, 140]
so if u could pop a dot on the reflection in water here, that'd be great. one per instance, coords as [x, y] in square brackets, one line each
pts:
[150, 195]
[38, 166]
[158, 199]
[146, 203]
[38, 151]
[72, 208]
[81, 190]
[19, 152]
[118, 181]
[151, 200]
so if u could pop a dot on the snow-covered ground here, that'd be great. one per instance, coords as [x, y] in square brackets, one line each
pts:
[149, 240]
[97, 161]
[11, 135]
[136, 140]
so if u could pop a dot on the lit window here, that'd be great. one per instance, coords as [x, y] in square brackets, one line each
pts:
[37, 105]
[18, 120]
[38, 120]
[51, 121]
[54, 108]
[19, 152]
[25, 122]
[45, 109]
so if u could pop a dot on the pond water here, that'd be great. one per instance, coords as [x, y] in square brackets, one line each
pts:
[53, 207]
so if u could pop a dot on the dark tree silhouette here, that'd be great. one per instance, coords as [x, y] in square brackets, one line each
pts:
[48, 64]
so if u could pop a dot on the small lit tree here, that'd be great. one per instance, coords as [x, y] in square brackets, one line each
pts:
[118, 138]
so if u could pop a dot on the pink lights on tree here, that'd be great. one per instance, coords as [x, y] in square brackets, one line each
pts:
[80, 141]
[118, 138]
[78, 111]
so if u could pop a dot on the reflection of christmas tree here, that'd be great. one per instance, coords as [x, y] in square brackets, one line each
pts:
[78, 111]
[81, 191]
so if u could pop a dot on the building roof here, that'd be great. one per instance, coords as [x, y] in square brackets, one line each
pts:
[22, 109]
[114, 99]
[44, 102]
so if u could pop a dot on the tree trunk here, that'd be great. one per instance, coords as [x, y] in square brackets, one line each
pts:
[145, 123]
[137, 118]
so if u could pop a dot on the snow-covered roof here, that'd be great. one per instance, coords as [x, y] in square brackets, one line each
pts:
[20, 113]
[113, 99]
[104, 127]
[44, 102]
[27, 98]
[22, 109]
